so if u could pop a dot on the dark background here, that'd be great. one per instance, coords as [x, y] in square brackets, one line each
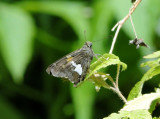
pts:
[34, 34]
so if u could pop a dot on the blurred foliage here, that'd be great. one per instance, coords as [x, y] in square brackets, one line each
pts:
[33, 34]
[153, 71]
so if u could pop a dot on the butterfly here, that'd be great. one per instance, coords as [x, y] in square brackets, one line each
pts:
[73, 66]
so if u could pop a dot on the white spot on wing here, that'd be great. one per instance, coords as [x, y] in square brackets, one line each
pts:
[78, 67]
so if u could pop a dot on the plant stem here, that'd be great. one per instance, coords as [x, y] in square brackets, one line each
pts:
[117, 76]
[118, 26]
[119, 94]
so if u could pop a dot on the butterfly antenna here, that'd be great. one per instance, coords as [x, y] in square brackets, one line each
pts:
[85, 35]
[110, 36]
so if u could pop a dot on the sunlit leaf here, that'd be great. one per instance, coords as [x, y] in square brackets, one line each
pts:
[136, 90]
[155, 62]
[156, 117]
[136, 114]
[153, 55]
[142, 102]
[16, 39]
[153, 106]
[151, 63]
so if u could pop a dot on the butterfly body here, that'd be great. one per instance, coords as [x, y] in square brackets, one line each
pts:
[73, 66]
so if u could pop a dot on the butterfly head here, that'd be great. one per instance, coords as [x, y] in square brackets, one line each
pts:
[88, 44]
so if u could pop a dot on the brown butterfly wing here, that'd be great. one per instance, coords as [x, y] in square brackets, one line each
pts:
[65, 68]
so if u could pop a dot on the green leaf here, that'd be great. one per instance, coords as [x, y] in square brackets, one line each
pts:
[104, 61]
[151, 72]
[142, 102]
[156, 117]
[154, 105]
[151, 63]
[16, 39]
[136, 114]
[114, 116]
[153, 55]
[137, 89]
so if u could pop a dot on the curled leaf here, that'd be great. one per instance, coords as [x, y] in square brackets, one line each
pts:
[99, 80]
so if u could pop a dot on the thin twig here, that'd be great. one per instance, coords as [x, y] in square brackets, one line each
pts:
[133, 27]
[121, 22]
[114, 39]
[116, 87]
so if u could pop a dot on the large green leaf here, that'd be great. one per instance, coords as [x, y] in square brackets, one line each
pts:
[142, 102]
[16, 39]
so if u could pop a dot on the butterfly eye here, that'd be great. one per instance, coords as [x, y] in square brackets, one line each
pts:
[90, 44]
